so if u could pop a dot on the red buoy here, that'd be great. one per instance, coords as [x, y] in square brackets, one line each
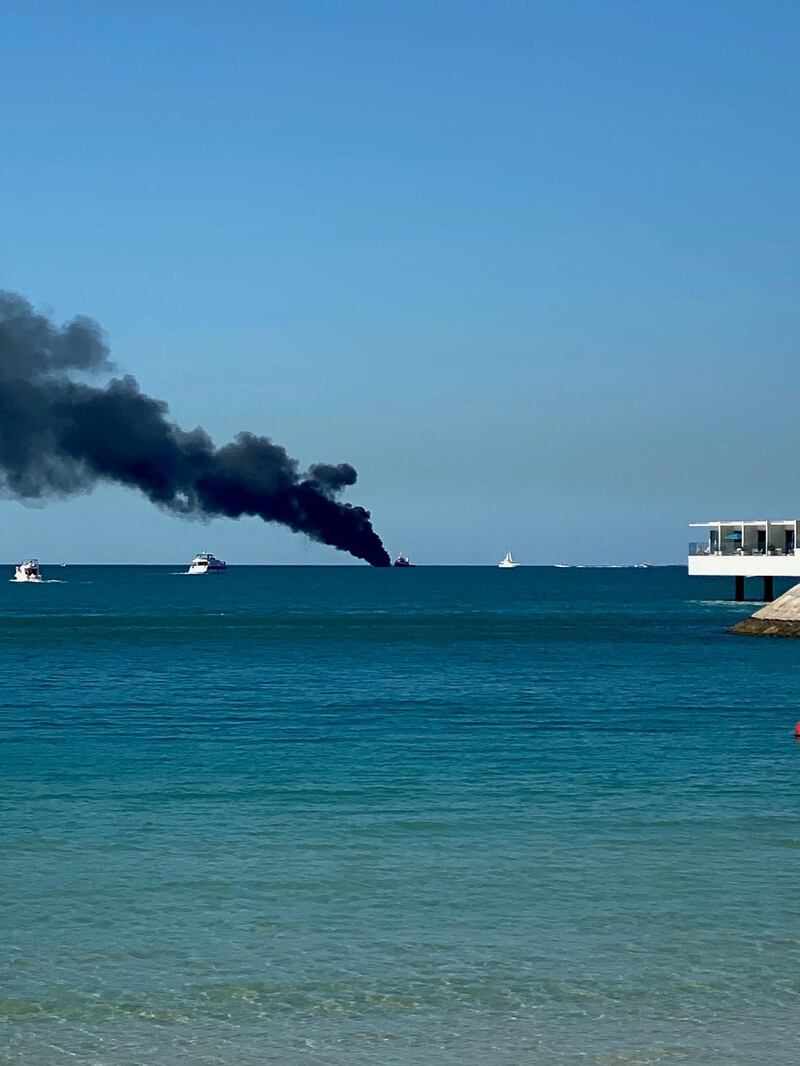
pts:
[797, 731]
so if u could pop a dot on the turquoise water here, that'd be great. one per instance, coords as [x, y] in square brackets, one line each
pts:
[441, 815]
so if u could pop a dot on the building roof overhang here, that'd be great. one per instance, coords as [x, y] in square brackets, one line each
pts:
[747, 522]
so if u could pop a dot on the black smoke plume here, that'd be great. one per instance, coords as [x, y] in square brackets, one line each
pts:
[59, 435]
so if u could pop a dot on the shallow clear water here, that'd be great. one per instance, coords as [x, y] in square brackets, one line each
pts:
[441, 815]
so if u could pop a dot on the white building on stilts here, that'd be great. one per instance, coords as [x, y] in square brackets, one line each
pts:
[763, 549]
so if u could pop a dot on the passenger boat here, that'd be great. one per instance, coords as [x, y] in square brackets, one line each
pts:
[28, 571]
[206, 563]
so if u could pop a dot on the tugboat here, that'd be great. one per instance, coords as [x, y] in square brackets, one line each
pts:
[402, 560]
[28, 571]
[206, 563]
[507, 562]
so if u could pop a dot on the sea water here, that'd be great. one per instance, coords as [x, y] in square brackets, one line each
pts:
[436, 815]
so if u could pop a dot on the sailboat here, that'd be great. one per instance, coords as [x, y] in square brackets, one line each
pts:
[507, 562]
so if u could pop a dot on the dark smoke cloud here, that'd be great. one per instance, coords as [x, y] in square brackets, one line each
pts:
[59, 435]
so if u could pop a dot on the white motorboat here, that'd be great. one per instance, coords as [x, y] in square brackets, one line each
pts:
[206, 563]
[28, 571]
[507, 562]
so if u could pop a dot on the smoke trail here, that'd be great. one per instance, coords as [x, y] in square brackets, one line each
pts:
[59, 435]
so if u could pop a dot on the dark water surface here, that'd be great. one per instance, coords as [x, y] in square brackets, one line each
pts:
[440, 815]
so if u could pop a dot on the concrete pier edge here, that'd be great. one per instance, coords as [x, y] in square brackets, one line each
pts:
[778, 619]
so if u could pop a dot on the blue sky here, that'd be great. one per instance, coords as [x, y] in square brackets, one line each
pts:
[531, 268]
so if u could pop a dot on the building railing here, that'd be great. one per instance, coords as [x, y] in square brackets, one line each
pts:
[705, 548]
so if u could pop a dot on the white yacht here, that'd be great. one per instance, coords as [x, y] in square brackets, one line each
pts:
[206, 563]
[28, 571]
[507, 562]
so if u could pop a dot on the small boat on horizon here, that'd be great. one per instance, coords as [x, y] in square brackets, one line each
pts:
[28, 571]
[402, 561]
[508, 562]
[206, 563]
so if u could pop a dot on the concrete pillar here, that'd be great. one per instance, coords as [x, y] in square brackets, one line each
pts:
[769, 592]
[738, 587]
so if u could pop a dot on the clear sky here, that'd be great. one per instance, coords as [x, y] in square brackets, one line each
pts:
[531, 267]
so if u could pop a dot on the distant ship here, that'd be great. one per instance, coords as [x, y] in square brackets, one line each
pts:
[206, 563]
[28, 571]
[402, 560]
[507, 562]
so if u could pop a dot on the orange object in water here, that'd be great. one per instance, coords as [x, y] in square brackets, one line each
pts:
[797, 731]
